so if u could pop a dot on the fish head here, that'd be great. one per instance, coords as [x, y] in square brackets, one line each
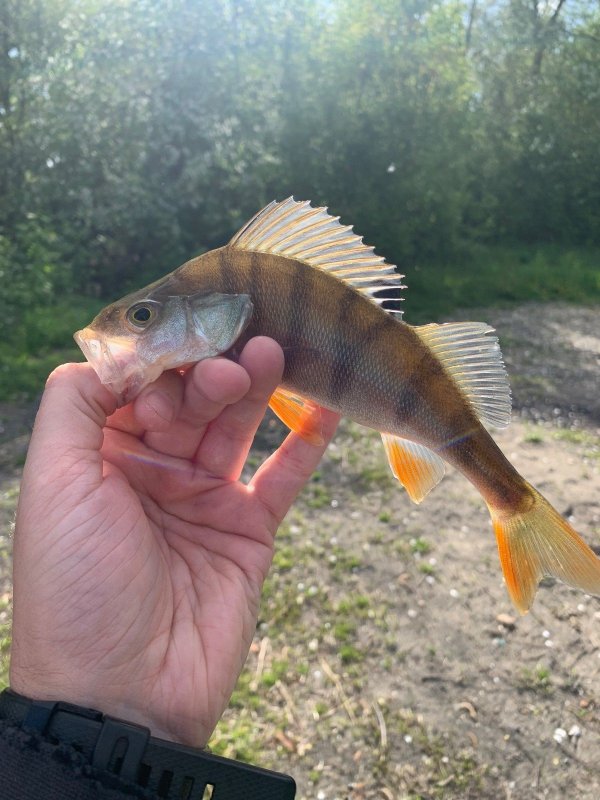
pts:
[132, 341]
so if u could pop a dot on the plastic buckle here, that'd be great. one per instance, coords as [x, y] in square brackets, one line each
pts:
[122, 742]
[39, 714]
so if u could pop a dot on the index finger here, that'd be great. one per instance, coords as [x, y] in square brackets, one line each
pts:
[284, 474]
[208, 388]
[228, 439]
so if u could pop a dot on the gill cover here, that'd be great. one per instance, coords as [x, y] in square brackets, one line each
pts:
[130, 343]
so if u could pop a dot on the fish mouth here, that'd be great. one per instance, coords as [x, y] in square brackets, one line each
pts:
[116, 363]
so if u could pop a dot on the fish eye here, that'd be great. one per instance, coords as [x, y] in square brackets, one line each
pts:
[140, 315]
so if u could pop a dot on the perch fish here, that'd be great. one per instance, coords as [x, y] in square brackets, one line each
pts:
[294, 273]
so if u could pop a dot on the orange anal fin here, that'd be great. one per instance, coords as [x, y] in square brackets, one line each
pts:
[539, 542]
[300, 415]
[416, 467]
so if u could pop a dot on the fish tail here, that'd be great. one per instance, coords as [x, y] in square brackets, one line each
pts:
[538, 542]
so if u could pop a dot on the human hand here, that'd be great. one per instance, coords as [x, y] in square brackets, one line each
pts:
[139, 555]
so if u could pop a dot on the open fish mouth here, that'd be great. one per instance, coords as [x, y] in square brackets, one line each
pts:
[116, 363]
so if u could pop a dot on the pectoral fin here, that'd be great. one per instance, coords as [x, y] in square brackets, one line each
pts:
[417, 468]
[300, 415]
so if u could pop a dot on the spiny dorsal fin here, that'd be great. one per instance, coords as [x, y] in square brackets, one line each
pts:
[297, 230]
[474, 360]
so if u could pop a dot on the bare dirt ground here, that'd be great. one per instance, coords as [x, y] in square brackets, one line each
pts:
[388, 662]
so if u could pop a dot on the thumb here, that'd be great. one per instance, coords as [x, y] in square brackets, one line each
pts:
[67, 435]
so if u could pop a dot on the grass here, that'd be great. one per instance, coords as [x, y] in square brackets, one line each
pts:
[5, 640]
[589, 441]
[420, 546]
[537, 680]
[42, 341]
[502, 276]
[534, 436]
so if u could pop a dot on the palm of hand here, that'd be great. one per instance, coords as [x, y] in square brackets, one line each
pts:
[154, 554]
[198, 574]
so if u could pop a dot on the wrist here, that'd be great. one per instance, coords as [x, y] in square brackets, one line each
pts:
[105, 750]
[70, 689]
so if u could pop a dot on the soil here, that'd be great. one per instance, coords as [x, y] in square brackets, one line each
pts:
[388, 660]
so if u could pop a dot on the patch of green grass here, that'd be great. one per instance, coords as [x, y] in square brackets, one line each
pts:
[284, 558]
[350, 654]
[376, 476]
[342, 562]
[279, 602]
[501, 276]
[571, 435]
[277, 670]
[9, 497]
[355, 605]
[317, 496]
[235, 737]
[585, 439]
[444, 772]
[42, 341]
[344, 631]
[533, 436]
[321, 707]
[420, 546]
[535, 680]
[5, 635]
[243, 696]
[5, 629]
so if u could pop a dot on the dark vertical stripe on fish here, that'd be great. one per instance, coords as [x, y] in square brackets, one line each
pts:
[422, 378]
[300, 298]
[294, 318]
[256, 289]
[349, 355]
[343, 368]
[255, 274]
[228, 273]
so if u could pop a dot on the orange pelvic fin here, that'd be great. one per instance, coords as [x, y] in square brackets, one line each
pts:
[416, 467]
[300, 415]
[539, 542]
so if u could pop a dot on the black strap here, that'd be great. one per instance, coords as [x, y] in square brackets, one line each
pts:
[171, 771]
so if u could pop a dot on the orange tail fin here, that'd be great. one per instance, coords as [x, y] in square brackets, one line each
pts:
[539, 542]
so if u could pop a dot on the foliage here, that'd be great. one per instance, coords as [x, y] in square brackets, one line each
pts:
[40, 340]
[134, 134]
[501, 275]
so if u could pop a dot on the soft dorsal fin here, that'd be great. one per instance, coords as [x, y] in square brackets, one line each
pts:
[297, 230]
[474, 360]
